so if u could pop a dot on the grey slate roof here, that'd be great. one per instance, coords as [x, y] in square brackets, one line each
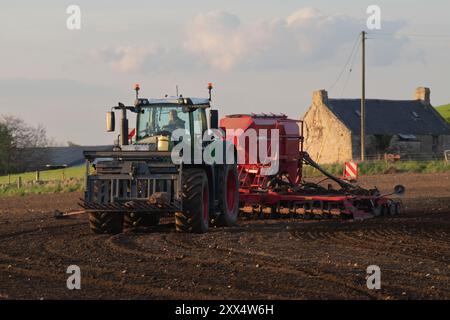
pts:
[390, 116]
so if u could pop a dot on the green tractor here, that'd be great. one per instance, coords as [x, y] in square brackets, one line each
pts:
[138, 181]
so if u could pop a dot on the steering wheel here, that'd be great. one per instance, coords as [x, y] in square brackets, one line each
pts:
[163, 133]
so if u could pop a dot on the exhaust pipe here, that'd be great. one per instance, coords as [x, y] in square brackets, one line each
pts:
[124, 128]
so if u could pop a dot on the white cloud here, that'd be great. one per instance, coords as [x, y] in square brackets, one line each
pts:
[218, 39]
[390, 46]
[125, 58]
[131, 58]
[221, 41]
[143, 58]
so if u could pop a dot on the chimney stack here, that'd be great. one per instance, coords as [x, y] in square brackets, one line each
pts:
[320, 97]
[423, 93]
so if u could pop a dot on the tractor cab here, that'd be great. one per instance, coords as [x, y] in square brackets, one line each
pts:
[158, 119]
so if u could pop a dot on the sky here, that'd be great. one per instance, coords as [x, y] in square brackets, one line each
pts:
[262, 56]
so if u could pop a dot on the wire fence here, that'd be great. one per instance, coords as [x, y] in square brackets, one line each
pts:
[41, 179]
[22, 187]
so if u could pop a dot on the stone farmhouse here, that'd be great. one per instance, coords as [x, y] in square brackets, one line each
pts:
[410, 129]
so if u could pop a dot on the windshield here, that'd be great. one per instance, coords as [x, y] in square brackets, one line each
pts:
[157, 120]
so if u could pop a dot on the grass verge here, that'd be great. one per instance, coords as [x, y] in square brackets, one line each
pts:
[70, 185]
[382, 167]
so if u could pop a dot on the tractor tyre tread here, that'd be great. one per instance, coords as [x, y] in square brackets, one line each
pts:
[106, 222]
[189, 220]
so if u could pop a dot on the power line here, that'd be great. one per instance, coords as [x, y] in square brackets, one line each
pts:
[423, 35]
[345, 65]
[351, 69]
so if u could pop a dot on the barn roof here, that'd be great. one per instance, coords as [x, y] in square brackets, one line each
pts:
[390, 116]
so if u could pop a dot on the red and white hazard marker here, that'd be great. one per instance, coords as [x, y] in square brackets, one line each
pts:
[351, 170]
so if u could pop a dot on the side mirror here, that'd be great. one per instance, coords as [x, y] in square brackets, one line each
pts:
[110, 122]
[214, 119]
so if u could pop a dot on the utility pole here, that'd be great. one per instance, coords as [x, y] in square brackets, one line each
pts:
[363, 97]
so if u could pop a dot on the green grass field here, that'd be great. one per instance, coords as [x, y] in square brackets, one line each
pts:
[444, 111]
[47, 175]
[51, 181]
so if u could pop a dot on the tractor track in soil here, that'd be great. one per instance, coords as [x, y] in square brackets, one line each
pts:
[258, 259]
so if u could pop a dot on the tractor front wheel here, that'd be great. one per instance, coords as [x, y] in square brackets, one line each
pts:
[106, 222]
[195, 192]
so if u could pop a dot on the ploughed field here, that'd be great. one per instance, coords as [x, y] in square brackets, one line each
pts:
[267, 259]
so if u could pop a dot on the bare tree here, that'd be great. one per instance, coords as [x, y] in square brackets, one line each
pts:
[5, 147]
[25, 144]
[24, 135]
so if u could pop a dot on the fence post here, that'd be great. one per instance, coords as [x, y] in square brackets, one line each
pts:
[9, 178]
[37, 175]
[19, 182]
[63, 174]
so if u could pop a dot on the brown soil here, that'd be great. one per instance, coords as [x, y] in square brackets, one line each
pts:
[268, 259]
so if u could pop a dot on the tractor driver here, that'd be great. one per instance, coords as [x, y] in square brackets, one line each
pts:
[174, 122]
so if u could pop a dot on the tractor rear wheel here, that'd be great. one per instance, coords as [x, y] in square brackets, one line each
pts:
[399, 208]
[195, 192]
[106, 222]
[228, 196]
[136, 220]
[392, 209]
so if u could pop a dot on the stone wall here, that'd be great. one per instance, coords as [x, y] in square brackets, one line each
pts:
[327, 140]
